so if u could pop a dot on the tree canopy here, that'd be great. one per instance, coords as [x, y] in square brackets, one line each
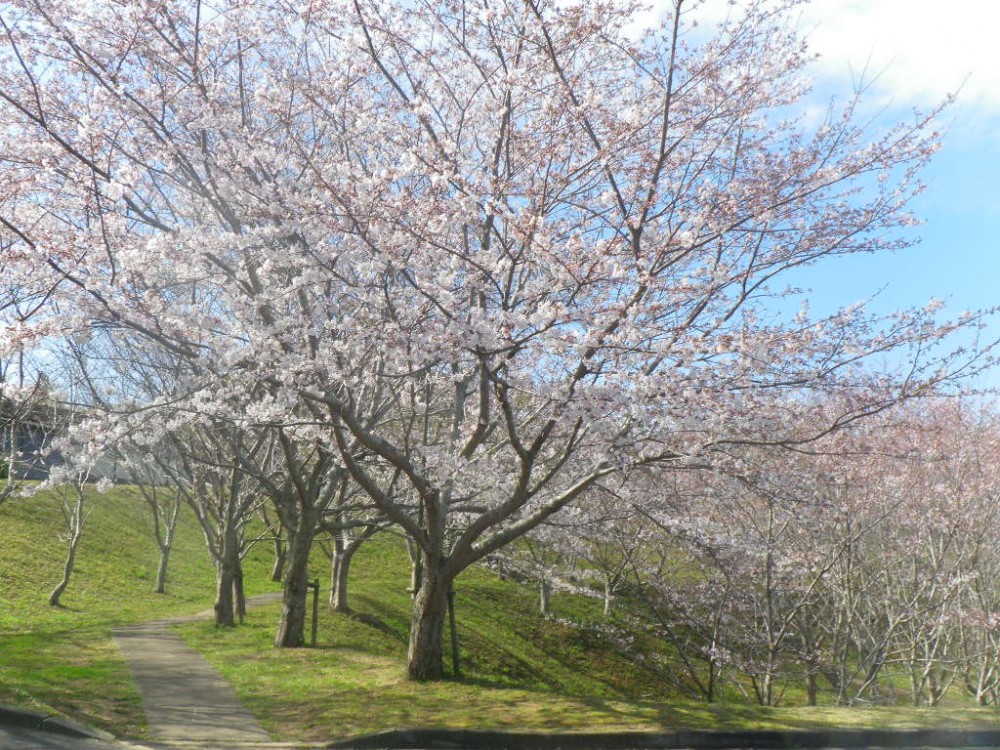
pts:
[480, 257]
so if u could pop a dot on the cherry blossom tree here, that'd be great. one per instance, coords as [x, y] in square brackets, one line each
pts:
[944, 544]
[75, 512]
[860, 562]
[305, 480]
[164, 504]
[206, 465]
[488, 257]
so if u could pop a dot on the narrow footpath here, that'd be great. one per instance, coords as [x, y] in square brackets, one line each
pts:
[187, 702]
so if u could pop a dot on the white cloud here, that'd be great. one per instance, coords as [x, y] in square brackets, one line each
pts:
[920, 50]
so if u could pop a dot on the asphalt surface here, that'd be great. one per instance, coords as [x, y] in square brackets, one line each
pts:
[805, 739]
[27, 730]
[21, 729]
[20, 738]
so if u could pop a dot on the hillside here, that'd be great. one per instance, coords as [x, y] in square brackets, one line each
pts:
[519, 670]
[63, 659]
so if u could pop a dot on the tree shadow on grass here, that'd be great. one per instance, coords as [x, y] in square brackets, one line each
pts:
[377, 623]
[380, 618]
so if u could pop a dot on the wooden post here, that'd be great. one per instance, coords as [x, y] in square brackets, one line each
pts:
[455, 666]
[315, 620]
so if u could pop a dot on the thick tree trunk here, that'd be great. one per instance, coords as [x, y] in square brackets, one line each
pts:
[225, 610]
[812, 688]
[292, 625]
[430, 610]
[340, 569]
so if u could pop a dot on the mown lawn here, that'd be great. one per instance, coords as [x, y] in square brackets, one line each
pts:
[519, 671]
[63, 659]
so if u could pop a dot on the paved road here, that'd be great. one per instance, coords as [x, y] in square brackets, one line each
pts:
[21, 738]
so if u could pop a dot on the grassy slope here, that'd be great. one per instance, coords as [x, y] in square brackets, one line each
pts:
[63, 659]
[520, 671]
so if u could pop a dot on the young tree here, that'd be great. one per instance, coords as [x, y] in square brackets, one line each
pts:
[350, 521]
[501, 253]
[73, 504]
[164, 503]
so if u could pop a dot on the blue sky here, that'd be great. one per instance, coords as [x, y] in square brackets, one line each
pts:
[919, 52]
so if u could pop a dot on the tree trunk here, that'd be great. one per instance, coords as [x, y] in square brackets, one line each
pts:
[161, 571]
[340, 569]
[225, 611]
[456, 668]
[278, 571]
[416, 563]
[812, 688]
[228, 567]
[12, 456]
[165, 546]
[239, 596]
[430, 609]
[57, 592]
[608, 597]
[75, 520]
[544, 595]
[292, 625]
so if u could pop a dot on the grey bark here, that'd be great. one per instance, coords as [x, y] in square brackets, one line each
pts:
[164, 526]
[278, 569]
[430, 607]
[544, 595]
[292, 624]
[227, 570]
[340, 568]
[76, 517]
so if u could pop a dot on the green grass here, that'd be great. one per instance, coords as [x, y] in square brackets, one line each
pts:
[63, 659]
[520, 671]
